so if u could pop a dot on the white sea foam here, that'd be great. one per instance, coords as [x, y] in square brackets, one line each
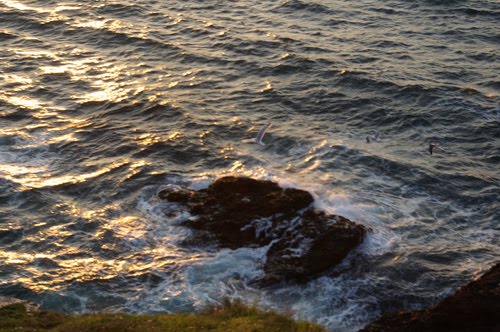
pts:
[299, 247]
[344, 303]
[200, 182]
[338, 202]
[261, 226]
[164, 217]
[333, 302]
[225, 275]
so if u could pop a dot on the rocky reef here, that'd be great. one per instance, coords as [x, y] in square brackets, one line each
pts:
[475, 308]
[235, 212]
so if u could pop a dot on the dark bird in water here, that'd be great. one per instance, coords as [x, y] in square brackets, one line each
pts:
[373, 137]
[431, 147]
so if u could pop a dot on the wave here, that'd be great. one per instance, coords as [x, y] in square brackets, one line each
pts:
[104, 102]
[299, 5]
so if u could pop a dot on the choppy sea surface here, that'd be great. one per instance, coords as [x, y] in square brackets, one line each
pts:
[101, 102]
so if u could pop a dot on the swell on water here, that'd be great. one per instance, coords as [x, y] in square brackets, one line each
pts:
[103, 102]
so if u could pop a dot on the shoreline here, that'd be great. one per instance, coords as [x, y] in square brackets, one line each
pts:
[474, 307]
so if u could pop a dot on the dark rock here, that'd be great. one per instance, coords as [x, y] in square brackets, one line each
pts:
[240, 212]
[474, 308]
[229, 207]
[175, 194]
[316, 244]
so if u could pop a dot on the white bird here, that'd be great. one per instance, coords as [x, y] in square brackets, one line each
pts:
[259, 137]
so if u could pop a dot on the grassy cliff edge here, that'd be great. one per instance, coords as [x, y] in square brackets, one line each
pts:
[232, 316]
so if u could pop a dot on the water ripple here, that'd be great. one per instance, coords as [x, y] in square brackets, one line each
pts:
[103, 101]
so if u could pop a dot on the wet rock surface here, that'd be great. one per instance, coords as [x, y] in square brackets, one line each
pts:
[237, 212]
[475, 308]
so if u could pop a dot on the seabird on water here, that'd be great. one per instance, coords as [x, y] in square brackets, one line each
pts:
[432, 146]
[373, 137]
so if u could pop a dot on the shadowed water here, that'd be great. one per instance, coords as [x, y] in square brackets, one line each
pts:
[101, 102]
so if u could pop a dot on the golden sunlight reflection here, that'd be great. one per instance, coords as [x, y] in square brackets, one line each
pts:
[71, 123]
[128, 226]
[313, 166]
[91, 24]
[70, 137]
[134, 169]
[54, 69]
[99, 96]
[35, 53]
[148, 139]
[44, 113]
[175, 135]
[65, 7]
[15, 79]
[237, 165]
[107, 88]
[22, 101]
[226, 151]
[236, 120]
[312, 159]
[318, 146]
[268, 87]
[130, 230]
[178, 19]
[204, 134]
[116, 26]
[41, 176]
[50, 15]
[65, 179]
[106, 78]
[16, 5]
[14, 133]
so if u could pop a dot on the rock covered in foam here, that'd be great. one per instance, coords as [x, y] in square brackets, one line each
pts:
[239, 212]
[314, 244]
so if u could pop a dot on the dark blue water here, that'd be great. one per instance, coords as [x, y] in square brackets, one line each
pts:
[101, 102]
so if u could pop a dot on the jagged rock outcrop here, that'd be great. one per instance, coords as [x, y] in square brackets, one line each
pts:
[474, 308]
[237, 212]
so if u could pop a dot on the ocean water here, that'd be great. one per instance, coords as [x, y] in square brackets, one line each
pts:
[102, 102]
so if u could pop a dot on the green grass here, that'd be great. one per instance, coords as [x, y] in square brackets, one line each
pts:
[230, 317]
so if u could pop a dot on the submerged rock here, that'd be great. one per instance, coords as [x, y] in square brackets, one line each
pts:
[475, 307]
[237, 212]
